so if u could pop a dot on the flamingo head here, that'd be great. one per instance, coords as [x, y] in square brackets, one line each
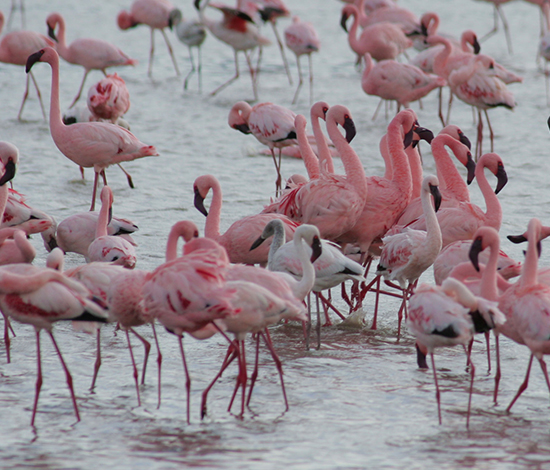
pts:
[434, 189]
[174, 17]
[9, 171]
[33, 59]
[199, 201]
[347, 11]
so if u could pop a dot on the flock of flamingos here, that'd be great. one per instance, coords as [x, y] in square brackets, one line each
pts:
[321, 230]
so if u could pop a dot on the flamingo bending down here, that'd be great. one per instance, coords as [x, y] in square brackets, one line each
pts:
[88, 144]
[18, 214]
[405, 256]
[382, 40]
[238, 238]
[15, 47]
[109, 98]
[92, 54]
[43, 300]
[192, 33]
[157, 14]
[237, 30]
[301, 38]
[271, 124]
[110, 248]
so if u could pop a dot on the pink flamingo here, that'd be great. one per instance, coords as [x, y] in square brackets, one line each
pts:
[301, 38]
[473, 85]
[192, 33]
[157, 14]
[237, 30]
[405, 19]
[238, 238]
[15, 247]
[109, 248]
[41, 303]
[382, 40]
[405, 256]
[109, 98]
[271, 124]
[391, 80]
[15, 47]
[461, 222]
[331, 202]
[441, 317]
[453, 188]
[92, 54]
[88, 144]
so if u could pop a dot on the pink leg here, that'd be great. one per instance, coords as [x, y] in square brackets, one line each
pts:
[376, 303]
[328, 305]
[523, 386]
[67, 375]
[39, 96]
[545, 372]
[488, 342]
[7, 340]
[25, 96]
[159, 360]
[254, 375]
[278, 364]
[472, 374]
[497, 374]
[241, 379]
[278, 170]
[187, 379]
[77, 97]
[136, 374]
[94, 191]
[437, 392]
[97, 364]
[128, 176]
[170, 51]
[147, 346]
[151, 54]
[38, 385]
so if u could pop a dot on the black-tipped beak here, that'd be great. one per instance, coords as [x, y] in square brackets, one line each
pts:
[477, 47]
[343, 21]
[539, 248]
[424, 134]
[548, 122]
[243, 128]
[199, 202]
[52, 243]
[408, 139]
[257, 243]
[197, 4]
[110, 217]
[51, 33]
[349, 127]
[33, 59]
[9, 172]
[316, 249]
[502, 178]
[436, 195]
[174, 18]
[423, 30]
[475, 250]
[463, 139]
[471, 167]
[517, 238]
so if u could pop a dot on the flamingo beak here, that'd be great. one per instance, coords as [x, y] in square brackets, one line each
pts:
[257, 243]
[349, 126]
[502, 178]
[436, 195]
[197, 4]
[51, 33]
[199, 202]
[174, 18]
[242, 127]
[475, 250]
[517, 238]
[33, 59]
[471, 167]
[539, 248]
[463, 139]
[9, 172]
[316, 249]
[343, 21]
[477, 46]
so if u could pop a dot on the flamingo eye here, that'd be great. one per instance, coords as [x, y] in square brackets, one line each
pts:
[346, 116]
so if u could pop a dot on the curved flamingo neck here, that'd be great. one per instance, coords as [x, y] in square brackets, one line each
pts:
[401, 171]
[326, 165]
[56, 122]
[386, 157]
[184, 229]
[311, 161]
[493, 214]
[277, 242]
[369, 65]
[433, 232]
[447, 172]
[415, 166]
[103, 218]
[488, 286]
[61, 46]
[441, 59]
[303, 287]
[352, 35]
[529, 273]
[212, 225]
[352, 165]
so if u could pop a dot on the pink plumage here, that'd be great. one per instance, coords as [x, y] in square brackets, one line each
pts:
[109, 98]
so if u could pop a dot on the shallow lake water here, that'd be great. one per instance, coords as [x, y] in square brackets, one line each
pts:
[359, 401]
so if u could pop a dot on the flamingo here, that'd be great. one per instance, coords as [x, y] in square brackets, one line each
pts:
[15, 247]
[109, 98]
[331, 202]
[391, 80]
[301, 38]
[15, 47]
[405, 256]
[92, 54]
[271, 124]
[88, 144]
[461, 222]
[238, 238]
[192, 33]
[41, 301]
[405, 19]
[18, 214]
[382, 40]
[109, 248]
[157, 14]
[237, 30]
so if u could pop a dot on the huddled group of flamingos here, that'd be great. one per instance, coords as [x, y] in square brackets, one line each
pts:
[321, 229]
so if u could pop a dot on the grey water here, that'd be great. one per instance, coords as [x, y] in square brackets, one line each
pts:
[359, 401]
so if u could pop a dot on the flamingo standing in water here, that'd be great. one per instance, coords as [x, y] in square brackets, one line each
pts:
[88, 144]
[92, 54]
[157, 14]
[15, 48]
[301, 38]
[271, 124]
[237, 30]
[238, 238]
[192, 33]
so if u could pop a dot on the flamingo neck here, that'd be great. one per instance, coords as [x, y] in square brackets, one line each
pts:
[303, 287]
[488, 286]
[493, 214]
[369, 65]
[441, 59]
[326, 165]
[4, 195]
[103, 218]
[56, 122]
[433, 231]
[172, 246]
[277, 242]
[447, 172]
[529, 272]
[212, 225]
[386, 157]
[352, 35]
[308, 155]
[401, 171]
[415, 166]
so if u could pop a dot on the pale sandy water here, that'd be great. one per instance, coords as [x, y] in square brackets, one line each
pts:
[359, 402]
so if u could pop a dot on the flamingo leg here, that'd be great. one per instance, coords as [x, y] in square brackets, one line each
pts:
[377, 109]
[506, 28]
[7, 340]
[440, 109]
[187, 378]
[128, 176]
[39, 96]
[199, 71]
[495, 25]
[134, 367]
[472, 374]
[487, 341]
[67, 375]
[282, 49]
[253, 76]
[77, 97]
[241, 377]
[376, 303]
[169, 46]
[479, 142]
[308, 328]
[147, 346]
[277, 164]
[159, 360]
[437, 392]
[300, 80]
[491, 134]
[94, 191]
[318, 325]
[523, 386]
[278, 364]
[186, 81]
[97, 364]
[151, 54]
[498, 373]
[254, 375]
[25, 96]
[231, 80]
[38, 385]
